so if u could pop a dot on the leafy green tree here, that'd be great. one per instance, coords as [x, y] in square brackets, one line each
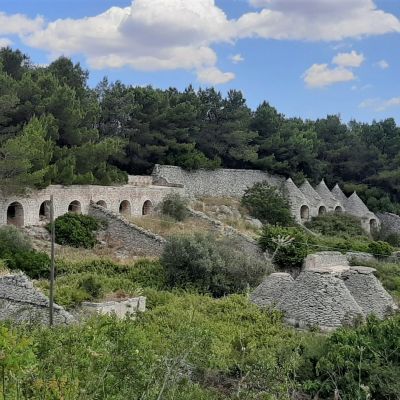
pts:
[267, 204]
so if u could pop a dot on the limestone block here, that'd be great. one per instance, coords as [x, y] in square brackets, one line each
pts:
[121, 308]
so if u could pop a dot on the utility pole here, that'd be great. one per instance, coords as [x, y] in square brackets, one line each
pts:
[52, 264]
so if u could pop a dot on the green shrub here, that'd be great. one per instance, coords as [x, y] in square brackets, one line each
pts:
[267, 204]
[76, 230]
[202, 263]
[336, 224]
[91, 285]
[380, 249]
[13, 240]
[175, 206]
[17, 253]
[289, 246]
[393, 239]
[362, 363]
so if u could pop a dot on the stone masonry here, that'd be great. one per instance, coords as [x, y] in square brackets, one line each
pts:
[21, 302]
[132, 238]
[328, 293]
[142, 193]
[305, 202]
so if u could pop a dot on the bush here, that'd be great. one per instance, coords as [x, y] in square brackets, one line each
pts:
[380, 249]
[13, 240]
[91, 285]
[265, 203]
[175, 206]
[336, 224]
[287, 254]
[17, 253]
[76, 230]
[204, 264]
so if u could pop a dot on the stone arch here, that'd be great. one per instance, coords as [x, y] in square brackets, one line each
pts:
[75, 207]
[373, 224]
[322, 210]
[338, 209]
[125, 208]
[15, 214]
[304, 213]
[44, 211]
[102, 203]
[147, 207]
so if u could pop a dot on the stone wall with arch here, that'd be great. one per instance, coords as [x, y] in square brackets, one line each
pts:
[31, 208]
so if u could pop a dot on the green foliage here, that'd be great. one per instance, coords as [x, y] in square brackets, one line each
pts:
[202, 263]
[267, 204]
[336, 224]
[13, 240]
[17, 252]
[361, 363]
[91, 285]
[380, 249]
[175, 206]
[76, 230]
[288, 246]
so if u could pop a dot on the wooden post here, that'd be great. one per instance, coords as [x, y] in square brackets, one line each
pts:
[52, 264]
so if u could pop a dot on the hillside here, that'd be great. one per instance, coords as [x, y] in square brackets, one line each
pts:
[72, 134]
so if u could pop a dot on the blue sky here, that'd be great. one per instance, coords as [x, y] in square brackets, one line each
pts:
[308, 58]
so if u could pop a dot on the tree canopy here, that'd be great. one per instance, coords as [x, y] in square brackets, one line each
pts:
[54, 128]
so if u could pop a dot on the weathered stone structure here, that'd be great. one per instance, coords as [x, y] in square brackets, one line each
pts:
[306, 202]
[121, 308]
[133, 239]
[142, 193]
[328, 293]
[138, 197]
[21, 302]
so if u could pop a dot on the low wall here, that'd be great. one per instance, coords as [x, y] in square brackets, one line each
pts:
[21, 302]
[215, 183]
[237, 239]
[132, 238]
[121, 308]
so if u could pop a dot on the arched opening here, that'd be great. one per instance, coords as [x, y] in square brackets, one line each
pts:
[338, 209]
[373, 224]
[102, 203]
[44, 211]
[15, 214]
[322, 210]
[125, 208]
[75, 207]
[304, 213]
[147, 207]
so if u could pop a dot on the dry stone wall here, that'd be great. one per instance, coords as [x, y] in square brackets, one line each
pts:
[131, 238]
[214, 183]
[21, 302]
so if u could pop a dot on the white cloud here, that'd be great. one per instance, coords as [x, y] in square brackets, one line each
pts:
[148, 36]
[4, 42]
[380, 105]
[352, 59]
[383, 64]
[329, 20]
[237, 58]
[321, 75]
[214, 76]
[180, 34]
[18, 24]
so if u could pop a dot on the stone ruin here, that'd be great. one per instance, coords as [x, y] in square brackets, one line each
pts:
[20, 302]
[143, 193]
[121, 308]
[328, 293]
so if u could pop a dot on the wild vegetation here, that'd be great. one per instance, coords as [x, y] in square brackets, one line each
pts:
[55, 129]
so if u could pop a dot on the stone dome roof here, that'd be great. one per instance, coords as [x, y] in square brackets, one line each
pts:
[310, 193]
[339, 195]
[326, 195]
[356, 206]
